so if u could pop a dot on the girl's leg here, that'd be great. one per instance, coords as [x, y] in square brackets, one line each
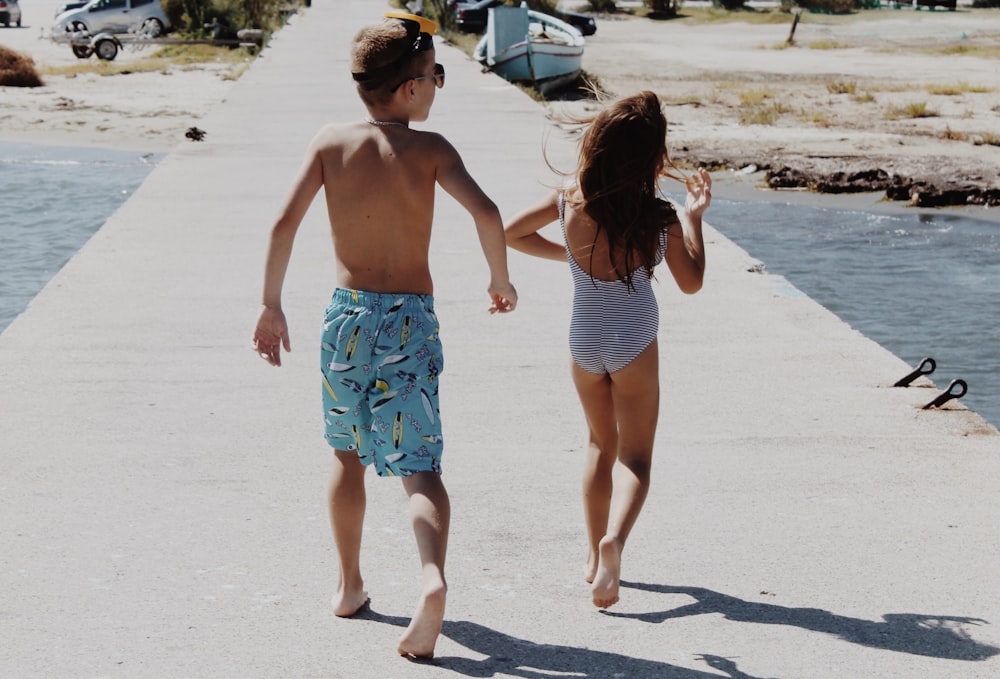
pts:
[347, 517]
[430, 512]
[598, 408]
[635, 391]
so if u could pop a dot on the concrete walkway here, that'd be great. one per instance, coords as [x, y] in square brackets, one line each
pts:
[162, 507]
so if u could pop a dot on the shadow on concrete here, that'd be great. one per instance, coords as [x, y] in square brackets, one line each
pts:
[937, 636]
[510, 656]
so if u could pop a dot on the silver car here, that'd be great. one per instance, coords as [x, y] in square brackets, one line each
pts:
[114, 16]
[10, 13]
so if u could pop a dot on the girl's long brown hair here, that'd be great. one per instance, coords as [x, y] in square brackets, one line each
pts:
[622, 156]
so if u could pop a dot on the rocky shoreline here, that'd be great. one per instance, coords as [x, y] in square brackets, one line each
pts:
[911, 185]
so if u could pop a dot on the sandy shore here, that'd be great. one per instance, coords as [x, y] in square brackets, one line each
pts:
[714, 76]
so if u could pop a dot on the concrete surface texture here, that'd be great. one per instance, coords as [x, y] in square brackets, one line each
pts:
[162, 509]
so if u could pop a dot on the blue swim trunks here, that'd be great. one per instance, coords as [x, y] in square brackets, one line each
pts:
[381, 358]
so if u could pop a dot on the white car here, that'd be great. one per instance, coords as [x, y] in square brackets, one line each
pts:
[10, 13]
[113, 16]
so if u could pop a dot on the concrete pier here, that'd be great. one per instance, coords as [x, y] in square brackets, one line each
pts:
[162, 490]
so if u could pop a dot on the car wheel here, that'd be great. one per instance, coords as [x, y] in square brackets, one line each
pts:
[77, 27]
[106, 49]
[82, 51]
[152, 28]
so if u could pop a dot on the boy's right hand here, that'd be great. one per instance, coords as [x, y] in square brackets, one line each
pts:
[504, 298]
[270, 335]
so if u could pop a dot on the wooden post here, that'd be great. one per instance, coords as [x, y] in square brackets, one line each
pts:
[796, 13]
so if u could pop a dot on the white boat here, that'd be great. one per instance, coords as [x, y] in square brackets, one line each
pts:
[529, 47]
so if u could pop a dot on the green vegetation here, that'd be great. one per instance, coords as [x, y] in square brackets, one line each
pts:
[191, 17]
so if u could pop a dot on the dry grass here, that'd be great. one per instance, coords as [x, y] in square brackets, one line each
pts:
[963, 49]
[842, 87]
[952, 135]
[864, 98]
[827, 45]
[754, 97]
[162, 60]
[713, 15]
[988, 139]
[914, 110]
[17, 69]
[957, 89]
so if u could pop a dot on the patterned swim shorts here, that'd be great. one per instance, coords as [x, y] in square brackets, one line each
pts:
[381, 358]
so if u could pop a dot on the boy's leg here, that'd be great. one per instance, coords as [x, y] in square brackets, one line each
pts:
[430, 512]
[636, 393]
[602, 443]
[347, 516]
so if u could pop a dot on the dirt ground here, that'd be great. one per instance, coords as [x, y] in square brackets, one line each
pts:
[900, 90]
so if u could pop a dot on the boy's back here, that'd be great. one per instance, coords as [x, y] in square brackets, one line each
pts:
[379, 183]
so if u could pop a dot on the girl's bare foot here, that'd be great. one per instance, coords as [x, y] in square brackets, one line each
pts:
[604, 589]
[420, 637]
[590, 569]
[348, 602]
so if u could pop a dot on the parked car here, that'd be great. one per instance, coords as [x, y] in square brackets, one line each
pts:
[70, 5]
[114, 16]
[471, 16]
[10, 13]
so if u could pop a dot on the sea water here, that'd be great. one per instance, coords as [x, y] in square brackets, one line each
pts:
[921, 285]
[54, 199]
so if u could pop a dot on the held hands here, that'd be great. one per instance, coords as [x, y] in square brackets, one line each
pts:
[699, 192]
[504, 298]
[270, 335]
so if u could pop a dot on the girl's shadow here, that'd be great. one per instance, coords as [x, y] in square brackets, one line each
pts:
[938, 636]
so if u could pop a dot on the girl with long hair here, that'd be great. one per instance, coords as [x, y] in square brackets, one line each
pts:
[616, 230]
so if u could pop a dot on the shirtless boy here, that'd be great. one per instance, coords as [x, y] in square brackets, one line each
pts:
[380, 352]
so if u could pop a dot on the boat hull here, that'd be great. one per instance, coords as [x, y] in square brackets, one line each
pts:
[548, 57]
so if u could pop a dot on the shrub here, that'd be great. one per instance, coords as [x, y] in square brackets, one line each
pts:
[603, 6]
[663, 7]
[190, 16]
[728, 4]
[829, 6]
[17, 70]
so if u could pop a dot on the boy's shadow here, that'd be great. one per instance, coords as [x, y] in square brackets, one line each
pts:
[511, 656]
[938, 636]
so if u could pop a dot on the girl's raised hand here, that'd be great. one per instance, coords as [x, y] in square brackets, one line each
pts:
[699, 192]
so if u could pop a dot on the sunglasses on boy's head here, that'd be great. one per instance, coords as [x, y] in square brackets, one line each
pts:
[438, 76]
[420, 32]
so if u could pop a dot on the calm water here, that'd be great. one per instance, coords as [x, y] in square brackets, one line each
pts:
[918, 285]
[54, 199]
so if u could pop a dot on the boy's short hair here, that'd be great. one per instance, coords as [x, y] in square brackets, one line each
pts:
[382, 56]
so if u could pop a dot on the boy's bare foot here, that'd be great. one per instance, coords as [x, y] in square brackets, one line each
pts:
[348, 602]
[604, 589]
[420, 637]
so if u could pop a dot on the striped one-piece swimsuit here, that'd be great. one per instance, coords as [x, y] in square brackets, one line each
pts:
[611, 324]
